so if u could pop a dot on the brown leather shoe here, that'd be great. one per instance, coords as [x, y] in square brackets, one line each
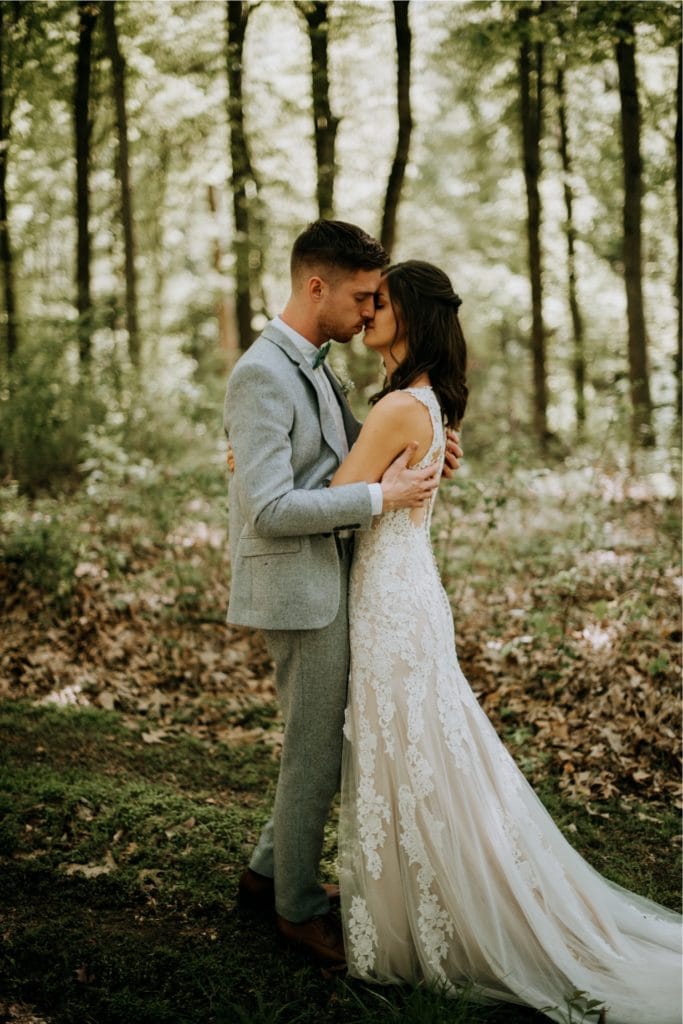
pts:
[257, 892]
[321, 936]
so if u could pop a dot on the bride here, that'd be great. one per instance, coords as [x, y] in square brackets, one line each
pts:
[451, 870]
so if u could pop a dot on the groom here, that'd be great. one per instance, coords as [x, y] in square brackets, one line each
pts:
[290, 547]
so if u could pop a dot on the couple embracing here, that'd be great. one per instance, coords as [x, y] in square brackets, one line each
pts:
[451, 870]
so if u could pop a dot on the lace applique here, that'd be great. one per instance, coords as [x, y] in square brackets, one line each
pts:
[415, 691]
[451, 716]
[363, 935]
[373, 809]
[420, 772]
[434, 923]
[434, 830]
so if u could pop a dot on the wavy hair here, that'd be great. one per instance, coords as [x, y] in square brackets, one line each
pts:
[426, 306]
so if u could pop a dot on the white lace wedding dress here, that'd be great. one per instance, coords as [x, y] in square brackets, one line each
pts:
[451, 870]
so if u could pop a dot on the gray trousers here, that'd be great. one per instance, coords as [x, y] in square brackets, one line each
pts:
[311, 675]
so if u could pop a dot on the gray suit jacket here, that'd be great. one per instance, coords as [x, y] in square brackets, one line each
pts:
[285, 565]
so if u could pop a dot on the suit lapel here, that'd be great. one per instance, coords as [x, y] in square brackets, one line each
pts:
[351, 424]
[327, 424]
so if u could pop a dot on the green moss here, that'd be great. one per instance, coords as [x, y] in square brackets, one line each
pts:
[156, 936]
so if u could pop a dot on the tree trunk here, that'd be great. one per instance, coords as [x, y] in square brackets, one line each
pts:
[324, 123]
[5, 241]
[243, 182]
[641, 423]
[405, 125]
[531, 97]
[225, 314]
[579, 361]
[679, 231]
[87, 16]
[118, 68]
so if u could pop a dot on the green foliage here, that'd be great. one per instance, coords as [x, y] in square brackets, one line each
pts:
[41, 550]
[462, 204]
[61, 424]
[45, 410]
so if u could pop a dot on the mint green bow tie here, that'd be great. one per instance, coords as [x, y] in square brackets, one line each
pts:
[321, 355]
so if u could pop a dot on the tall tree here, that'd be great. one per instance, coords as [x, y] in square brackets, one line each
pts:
[243, 182]
[325, 124]
[579, 360]
[641, 402]
[405, 124]
[530, 68]
[8, 19]
[118, 68]
[679, 232]
[82, 123]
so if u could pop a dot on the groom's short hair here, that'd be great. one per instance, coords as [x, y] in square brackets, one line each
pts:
[336, 245]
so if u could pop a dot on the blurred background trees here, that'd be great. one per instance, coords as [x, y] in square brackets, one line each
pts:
[158, 159]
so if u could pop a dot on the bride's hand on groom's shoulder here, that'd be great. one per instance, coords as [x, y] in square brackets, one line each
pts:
[454, 454]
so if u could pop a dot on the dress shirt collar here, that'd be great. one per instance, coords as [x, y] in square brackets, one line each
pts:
[306, 347]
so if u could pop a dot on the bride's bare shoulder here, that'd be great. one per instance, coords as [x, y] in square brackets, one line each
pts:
[400, 417]
[400, 407]
[396, 403]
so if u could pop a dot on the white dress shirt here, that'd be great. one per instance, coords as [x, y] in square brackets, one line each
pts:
[309, 350]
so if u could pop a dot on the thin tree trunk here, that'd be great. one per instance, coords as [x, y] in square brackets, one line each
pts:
[227, 338]
[679, 232]
[87, 18]
[405, 124]
[579, 362]
[531, 96]
[118, 68]
[242, 178]
[325, 124]
[5, 240]
[642, 432]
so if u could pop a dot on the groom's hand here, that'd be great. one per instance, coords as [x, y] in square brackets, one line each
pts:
[408, 488]
[454, 453]
[230, 458]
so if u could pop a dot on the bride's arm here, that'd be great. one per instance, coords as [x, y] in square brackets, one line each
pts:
[391, 425]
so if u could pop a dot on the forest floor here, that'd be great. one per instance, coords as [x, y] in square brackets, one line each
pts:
[139, 737]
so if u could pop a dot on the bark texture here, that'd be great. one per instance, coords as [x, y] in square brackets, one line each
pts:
[641, 402]
[9, 294]
[87, 17]
[123, 173]
[679, 232]
[405, 124]
[579, 360]
[325, 124]
[242, 178]
[530, 66]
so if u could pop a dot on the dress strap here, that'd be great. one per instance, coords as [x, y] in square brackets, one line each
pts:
[426, 397]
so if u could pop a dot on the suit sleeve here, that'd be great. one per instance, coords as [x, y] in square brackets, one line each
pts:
[263, 463]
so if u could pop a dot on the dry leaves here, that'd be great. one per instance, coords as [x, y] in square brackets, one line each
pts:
[591, 693]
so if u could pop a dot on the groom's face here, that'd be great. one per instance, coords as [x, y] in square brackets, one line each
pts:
[347, 303]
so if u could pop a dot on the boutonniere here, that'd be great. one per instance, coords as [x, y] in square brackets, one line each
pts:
[344, 382]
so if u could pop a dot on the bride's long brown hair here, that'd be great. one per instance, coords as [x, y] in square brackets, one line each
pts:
[425, 304]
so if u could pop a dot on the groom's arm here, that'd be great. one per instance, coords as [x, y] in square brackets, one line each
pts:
[454, 454]
[259, 414]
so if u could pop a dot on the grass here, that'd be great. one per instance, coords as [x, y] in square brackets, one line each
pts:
[119, 868]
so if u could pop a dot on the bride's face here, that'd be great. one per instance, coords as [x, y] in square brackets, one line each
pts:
[385, 334]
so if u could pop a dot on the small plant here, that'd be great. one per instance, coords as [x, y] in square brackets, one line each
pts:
[42, 551]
